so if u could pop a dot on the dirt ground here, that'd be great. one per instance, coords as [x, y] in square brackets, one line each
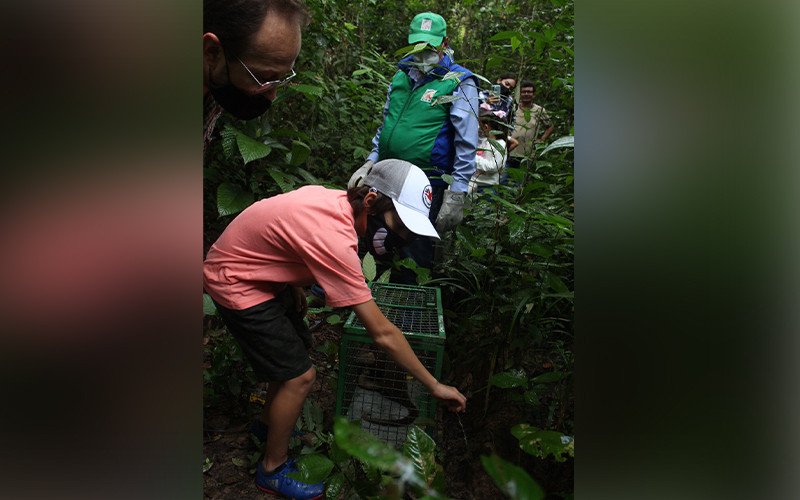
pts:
[460, 441]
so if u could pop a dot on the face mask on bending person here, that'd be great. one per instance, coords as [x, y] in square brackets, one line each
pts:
[236, 101]
[427, 60]
[381, 239]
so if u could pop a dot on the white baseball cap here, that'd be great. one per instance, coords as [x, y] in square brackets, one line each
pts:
[410, 190]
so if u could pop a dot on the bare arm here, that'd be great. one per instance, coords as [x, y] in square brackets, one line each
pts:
[547, 133]
[391, 340]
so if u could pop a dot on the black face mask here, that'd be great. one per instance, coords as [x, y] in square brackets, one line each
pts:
[236, 101]
[381, 240]
[505, 90]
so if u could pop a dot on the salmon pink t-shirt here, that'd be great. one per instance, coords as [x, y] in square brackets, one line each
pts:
[298, 238]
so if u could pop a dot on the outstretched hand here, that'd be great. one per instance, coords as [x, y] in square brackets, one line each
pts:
[454, 400]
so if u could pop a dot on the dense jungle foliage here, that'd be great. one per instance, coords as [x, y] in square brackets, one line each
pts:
[506, 273]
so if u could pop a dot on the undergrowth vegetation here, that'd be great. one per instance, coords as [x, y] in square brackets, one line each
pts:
[506, 273]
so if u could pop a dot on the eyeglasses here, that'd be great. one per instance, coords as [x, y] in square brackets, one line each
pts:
[267, 86]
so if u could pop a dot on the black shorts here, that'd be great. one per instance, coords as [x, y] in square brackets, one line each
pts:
[273, 336]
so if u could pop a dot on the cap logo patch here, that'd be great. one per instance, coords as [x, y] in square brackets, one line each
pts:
[428, 95]
[426, 25]
[427, 196]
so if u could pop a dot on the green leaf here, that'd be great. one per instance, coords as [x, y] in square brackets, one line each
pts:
[419, 447]
[334, 484]
[312, 468]
[509, 379]
[531, 397]
[479, 252]
[514, 43]
[541, 443]
[563, 142]
[504, 35]
[282, 179]
[384, 277]
[556, 284]
[232, 199]
[310, 91]
[251, 149]
[368, 267]
[312, 415]
[334, 319]
[444, 99]
[512, 480]
[450, 75]
[537, 249]
[299, 154]
[448, 179]
[209, 308]
[410, 49]
[239, 462]
[228, 135]
[367, 447]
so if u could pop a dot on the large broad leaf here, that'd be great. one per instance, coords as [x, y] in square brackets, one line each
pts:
[299, 153]
[334, 484]
[282, 179]
[541, 443]
[419, 448]
[367, 447]
[512, 480]
[563, 142]
[556, 284]
[232, 199]
[509, 379]
[368, 267]
[312, 468]
[208, 305]
[251, 149]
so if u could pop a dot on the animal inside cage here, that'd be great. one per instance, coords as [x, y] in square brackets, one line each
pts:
[373, 388]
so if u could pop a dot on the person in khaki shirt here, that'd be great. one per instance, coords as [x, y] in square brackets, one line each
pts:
[527, 131]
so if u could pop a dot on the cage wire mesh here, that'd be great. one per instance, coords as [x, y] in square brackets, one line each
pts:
[373, 388]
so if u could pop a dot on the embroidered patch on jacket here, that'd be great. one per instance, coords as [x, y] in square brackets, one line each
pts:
[426, 25]
[428, 95]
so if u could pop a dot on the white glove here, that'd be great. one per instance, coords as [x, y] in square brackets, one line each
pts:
[357, 178]
[452, 211]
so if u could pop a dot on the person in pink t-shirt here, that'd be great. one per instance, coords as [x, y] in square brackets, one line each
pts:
[255, 272]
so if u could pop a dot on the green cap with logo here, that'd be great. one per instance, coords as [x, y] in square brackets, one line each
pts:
[427, 27]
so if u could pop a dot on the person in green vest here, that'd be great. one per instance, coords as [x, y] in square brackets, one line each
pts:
[439, 137]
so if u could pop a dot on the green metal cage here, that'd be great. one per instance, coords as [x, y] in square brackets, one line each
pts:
[371, 387]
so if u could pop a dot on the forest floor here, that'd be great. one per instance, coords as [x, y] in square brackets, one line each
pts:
[460, 441]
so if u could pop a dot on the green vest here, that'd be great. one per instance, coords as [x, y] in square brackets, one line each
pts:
[413, 124]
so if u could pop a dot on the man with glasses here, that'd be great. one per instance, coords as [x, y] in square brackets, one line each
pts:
[440, 137]
[249, 50]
